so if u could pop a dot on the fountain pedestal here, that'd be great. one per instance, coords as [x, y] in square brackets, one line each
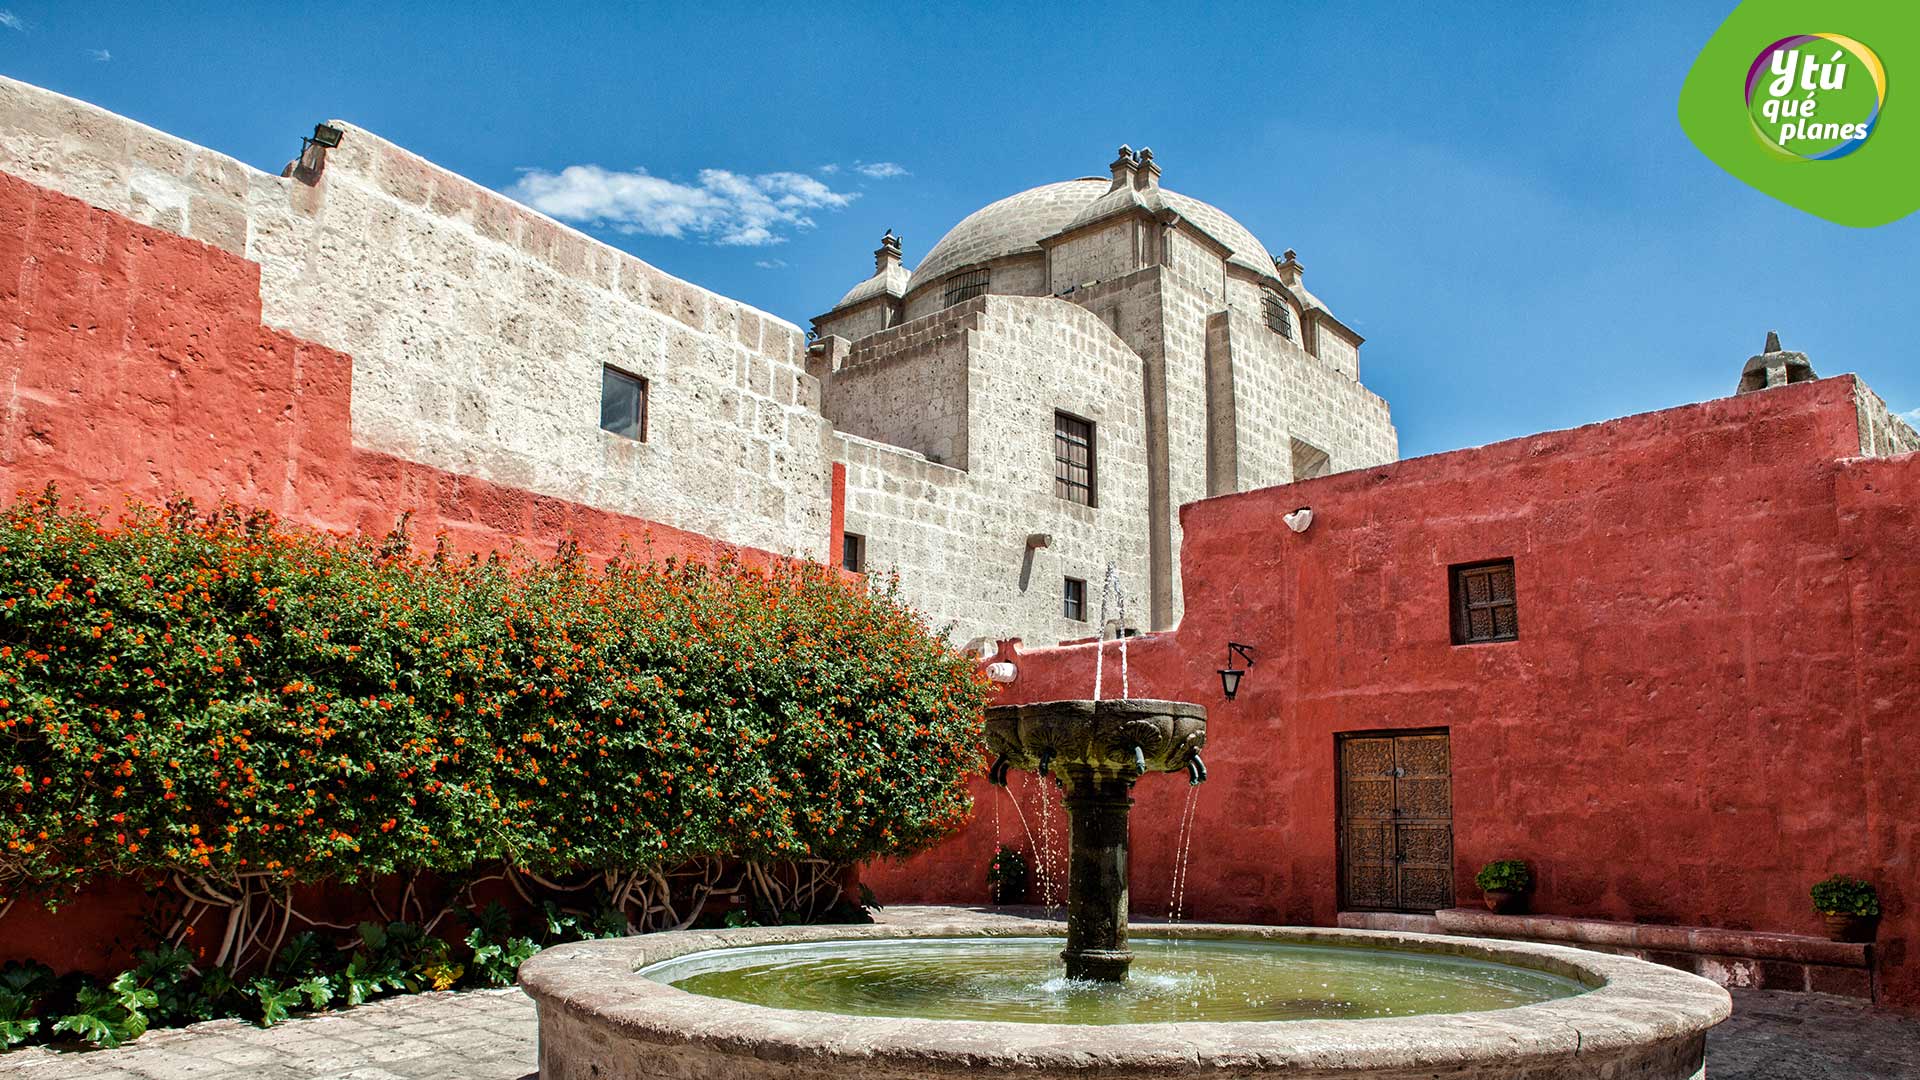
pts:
[1097, 896]
[1098, 749]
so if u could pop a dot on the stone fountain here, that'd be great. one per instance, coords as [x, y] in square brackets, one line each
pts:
[953, 994]
[1097, 750]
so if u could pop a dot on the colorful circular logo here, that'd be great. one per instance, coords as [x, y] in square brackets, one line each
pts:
[1815, 97]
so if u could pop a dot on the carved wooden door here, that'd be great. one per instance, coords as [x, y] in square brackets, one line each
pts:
[1396, 822]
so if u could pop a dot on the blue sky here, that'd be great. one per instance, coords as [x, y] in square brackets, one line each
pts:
[1503, 204]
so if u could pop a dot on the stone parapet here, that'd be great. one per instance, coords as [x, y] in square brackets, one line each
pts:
[1743, 959]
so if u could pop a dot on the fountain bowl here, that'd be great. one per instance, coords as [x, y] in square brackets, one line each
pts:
[599, 1020]
[1096, 739]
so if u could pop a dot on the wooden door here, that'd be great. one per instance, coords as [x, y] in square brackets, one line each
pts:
[1396, 822]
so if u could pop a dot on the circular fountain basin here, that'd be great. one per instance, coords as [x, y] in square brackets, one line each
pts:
[855, 1001]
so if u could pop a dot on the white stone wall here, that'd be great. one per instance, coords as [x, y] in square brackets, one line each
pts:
[958, 539]
[908, 386]
[478, 327]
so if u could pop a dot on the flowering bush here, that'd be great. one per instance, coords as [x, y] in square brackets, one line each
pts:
[219, 696]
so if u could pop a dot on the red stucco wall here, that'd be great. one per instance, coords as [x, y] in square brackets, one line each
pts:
[134, 363]
[1711, 704]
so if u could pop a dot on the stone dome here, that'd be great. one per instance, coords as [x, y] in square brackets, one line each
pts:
[1016, 224]
[892, 281]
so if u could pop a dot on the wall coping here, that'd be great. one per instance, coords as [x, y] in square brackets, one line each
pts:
[1704, 940]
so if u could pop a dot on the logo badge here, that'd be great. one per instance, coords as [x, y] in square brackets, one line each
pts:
[1826, 122]
[1815, 97]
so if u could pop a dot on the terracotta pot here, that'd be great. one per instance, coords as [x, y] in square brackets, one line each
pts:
[1858, 929]
[1502, 902]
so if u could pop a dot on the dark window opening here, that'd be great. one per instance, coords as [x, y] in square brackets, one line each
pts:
[1484, 606]
[1279, 318]
[1073, 464]
[623, 404]
[1073, 599]
[853, 552]
[966, 285]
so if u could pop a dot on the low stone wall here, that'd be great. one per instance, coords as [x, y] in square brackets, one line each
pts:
[1741, 959]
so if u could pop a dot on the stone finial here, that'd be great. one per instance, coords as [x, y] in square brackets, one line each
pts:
[1123, 167]
[1289, 268]
[1148, 176]
[1774, 366]
[887, 254]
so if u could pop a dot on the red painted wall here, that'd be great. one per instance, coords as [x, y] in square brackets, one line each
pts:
[1714, 700]
[134, 363]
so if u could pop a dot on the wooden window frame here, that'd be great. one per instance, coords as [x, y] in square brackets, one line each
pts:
[1064, 440]
[646, 399]
[1463, 608]
[853, 552]
[1073, 598]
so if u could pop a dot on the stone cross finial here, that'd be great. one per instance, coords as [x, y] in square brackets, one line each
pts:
[1774, 366]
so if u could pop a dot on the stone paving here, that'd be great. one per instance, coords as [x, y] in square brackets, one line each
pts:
[489, 1035]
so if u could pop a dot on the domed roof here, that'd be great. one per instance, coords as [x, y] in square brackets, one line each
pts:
[892, 281]
[1016, 224]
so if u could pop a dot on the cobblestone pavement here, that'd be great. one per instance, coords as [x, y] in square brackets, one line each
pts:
[489, 1035]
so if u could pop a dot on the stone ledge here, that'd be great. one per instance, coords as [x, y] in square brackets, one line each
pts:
[1746, 959]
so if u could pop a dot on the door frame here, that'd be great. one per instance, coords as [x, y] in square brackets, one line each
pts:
[1340, 801]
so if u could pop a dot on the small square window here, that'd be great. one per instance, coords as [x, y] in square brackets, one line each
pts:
[1073, 599]
[1073, 451]
[853, 552]
[1484, 605]
[623, 404]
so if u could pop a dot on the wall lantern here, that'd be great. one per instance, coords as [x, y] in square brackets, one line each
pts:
[1230, 675]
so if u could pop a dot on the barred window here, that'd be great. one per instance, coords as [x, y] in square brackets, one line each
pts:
[966, 285]
[1484, 605]
[853, 552]
[623, 403]
[1073, 477]
[1073, 599]
[1279, 318]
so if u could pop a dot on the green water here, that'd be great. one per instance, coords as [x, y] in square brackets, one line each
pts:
[1020, 980]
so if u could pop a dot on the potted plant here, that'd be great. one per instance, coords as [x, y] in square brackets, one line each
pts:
[1505, 883]
[1850, 906]
[1007, 876]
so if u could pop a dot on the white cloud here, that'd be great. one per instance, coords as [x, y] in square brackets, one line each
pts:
[12, 22]
[1911, 416]
[880, 170]
[100, 55]
[771, 264]
[828, 168]
[723, 208]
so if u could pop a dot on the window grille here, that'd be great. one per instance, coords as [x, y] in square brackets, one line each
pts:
[966, 285]
[1279, 317]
